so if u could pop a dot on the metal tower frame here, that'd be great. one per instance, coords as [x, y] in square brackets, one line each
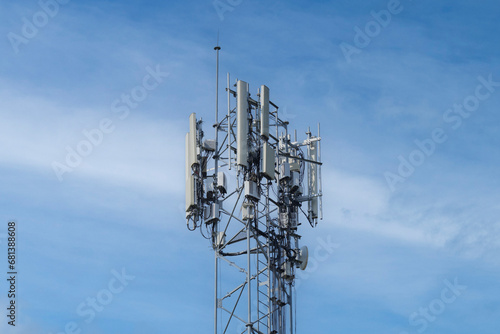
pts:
[245, 191]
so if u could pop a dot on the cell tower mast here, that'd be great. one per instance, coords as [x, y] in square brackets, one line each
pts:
[245, 192]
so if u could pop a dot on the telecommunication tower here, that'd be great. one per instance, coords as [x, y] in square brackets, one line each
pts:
[247, 191]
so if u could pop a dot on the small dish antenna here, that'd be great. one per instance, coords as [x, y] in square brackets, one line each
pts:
[303, 257]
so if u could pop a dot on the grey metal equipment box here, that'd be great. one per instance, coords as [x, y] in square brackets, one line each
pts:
[251, 190]
[222, 182]
[209, 145]
[286, 268]
[267, 159]
[295, 183]
[284, 170]
[248, 211]
[212, 213]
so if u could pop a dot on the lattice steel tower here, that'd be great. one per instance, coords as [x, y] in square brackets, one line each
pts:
[246, 190]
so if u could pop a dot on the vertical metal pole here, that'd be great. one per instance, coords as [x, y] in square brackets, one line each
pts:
[275, 264]
[257, 283]
[309, 172]
[281, 294]
[268, 244]
[249, 321]
[257, 272]
[277, 128]
[291, 308]
[229, 120]
[216, 160]
[216, 285]
[295, 311]
[216, 125]
[286, 138]
[320, 181]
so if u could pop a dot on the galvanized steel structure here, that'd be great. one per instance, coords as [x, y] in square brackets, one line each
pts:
[246, 191]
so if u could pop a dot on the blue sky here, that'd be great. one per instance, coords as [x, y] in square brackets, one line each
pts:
[121, 208]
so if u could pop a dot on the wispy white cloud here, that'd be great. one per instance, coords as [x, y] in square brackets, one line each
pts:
[36, 132]
[456, 225]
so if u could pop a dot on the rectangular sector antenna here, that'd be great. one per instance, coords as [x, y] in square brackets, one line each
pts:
[267, 161]
[242, 123]
[313, 180]
[192, 154]
[190, 196]
[264, 111]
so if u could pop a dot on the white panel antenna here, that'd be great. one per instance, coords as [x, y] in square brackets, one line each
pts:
[190, 190]
[268, 158]
[264, 111]
[313, 181]
[242, 124]
[192, 140]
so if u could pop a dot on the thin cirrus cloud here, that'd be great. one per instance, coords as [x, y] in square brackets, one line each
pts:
[136, 152]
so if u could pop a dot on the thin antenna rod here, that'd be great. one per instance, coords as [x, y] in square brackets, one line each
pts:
[216, 160]
[216, 125]
[217, 48]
